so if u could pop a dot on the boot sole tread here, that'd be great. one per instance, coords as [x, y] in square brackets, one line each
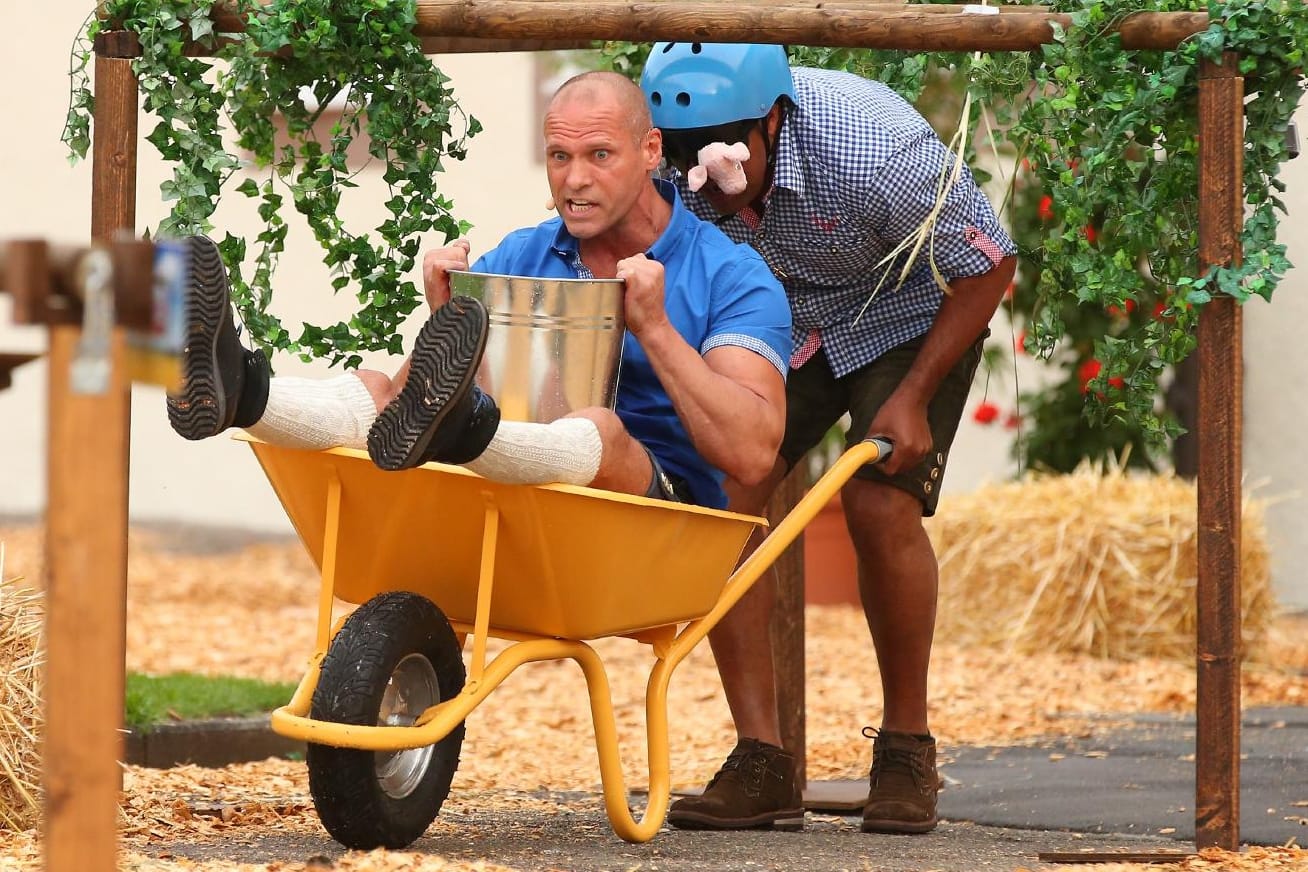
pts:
[885, 825]
[786, 820]
[199, 410]
[441, 371]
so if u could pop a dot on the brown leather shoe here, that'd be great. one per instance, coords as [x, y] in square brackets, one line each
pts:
[754, 788]
[903, 782]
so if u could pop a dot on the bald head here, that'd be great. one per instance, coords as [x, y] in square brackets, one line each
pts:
[603, 88]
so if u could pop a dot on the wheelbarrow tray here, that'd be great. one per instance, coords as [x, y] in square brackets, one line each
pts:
[569, 562]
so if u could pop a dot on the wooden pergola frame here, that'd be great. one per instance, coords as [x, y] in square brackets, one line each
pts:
[87, 516]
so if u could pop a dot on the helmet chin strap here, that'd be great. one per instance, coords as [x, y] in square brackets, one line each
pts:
[770, 151]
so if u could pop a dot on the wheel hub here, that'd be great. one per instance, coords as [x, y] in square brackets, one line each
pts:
[413, 688]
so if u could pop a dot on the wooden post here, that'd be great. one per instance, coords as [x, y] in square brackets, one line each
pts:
[787, 628]
[86, 537]
[1221, 209]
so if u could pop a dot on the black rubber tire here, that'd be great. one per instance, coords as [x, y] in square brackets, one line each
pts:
[351, 801]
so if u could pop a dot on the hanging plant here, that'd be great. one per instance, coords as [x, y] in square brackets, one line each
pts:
[294, 59]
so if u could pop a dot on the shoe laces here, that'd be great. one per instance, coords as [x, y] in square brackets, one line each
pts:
[888, 759]
[744, 764]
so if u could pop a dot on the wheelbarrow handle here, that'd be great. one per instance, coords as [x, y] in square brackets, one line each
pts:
[885, 447]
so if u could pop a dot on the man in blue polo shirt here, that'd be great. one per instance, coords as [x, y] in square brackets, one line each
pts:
[894, 262]
[701, 394]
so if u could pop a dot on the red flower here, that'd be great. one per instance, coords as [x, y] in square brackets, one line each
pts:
[1013, 421]
[986, 413]
[1087, 371]
[1159, 308]
[1046, 209]
[1119, 312]
[1090, 233]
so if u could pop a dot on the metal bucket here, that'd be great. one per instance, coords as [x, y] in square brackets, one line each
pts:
[555, 345]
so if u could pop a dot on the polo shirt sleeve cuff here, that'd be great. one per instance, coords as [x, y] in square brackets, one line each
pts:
[749, 343]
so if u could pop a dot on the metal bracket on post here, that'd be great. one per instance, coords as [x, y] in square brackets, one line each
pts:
[93, 360]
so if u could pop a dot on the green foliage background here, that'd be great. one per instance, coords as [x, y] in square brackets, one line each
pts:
[1109, 135]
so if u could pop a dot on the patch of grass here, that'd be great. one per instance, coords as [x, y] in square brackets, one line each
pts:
[155, 699]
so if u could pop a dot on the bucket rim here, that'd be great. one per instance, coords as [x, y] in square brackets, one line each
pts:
[515, 278]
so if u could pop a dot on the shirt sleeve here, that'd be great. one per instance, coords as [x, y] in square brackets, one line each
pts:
[968, 238]
[750, 311]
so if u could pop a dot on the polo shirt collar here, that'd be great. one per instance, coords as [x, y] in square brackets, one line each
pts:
[567, 246]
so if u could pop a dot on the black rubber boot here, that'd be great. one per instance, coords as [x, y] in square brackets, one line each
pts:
[223, 383]
[439, 414]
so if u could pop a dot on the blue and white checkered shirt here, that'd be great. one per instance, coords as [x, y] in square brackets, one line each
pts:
[857, 172]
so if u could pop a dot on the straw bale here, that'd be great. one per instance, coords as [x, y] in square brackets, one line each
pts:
[1099, 562]
[21, 656]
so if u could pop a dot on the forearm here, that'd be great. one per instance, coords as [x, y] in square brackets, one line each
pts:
[733, 426]
[964, 314]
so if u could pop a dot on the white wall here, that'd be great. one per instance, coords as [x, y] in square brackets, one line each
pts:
[1276, 395]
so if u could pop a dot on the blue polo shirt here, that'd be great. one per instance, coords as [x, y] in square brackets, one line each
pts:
[716, 293]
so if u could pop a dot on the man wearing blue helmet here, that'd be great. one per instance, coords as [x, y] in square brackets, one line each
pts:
[894, 264]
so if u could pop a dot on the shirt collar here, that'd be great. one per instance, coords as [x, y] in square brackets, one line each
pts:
[786, 170]
[567, 246]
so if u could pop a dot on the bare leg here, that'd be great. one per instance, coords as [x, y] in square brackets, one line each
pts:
[897, 583]
[756, 785]
[381, 387]
[740, 641]
[624, 464]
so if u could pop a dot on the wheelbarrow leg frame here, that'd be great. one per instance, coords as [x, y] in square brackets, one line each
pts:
[669, 646]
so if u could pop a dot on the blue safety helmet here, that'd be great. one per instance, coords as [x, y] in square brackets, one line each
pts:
[703, 84]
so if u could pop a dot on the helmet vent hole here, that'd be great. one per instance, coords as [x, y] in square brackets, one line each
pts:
[667, 48]
[656, 98]
[696, 48]
[683, 99]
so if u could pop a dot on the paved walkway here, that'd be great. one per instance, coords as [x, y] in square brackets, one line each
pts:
[1131, 790]
[1138, 780]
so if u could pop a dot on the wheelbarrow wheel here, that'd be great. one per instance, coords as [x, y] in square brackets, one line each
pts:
[393, 658]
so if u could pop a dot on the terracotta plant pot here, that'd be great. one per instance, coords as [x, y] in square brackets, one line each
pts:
[830, 565]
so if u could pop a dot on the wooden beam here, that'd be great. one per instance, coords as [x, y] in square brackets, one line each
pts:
[1221, 376]
[86, 537]
[44, 281]
[844, 23]
[872, 26]
[123, 44]
[433, 45]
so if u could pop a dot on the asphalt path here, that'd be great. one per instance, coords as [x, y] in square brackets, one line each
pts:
[1137, 780]
[1130, 789]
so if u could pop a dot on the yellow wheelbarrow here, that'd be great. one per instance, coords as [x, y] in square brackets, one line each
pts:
[436, 554]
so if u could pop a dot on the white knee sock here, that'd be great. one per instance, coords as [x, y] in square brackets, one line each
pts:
[567, 451]
[315, 414]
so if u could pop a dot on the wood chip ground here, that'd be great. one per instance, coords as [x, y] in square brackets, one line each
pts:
[251, 611]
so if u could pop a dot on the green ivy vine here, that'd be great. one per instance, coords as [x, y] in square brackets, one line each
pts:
[358, 55]
[1110, 284]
